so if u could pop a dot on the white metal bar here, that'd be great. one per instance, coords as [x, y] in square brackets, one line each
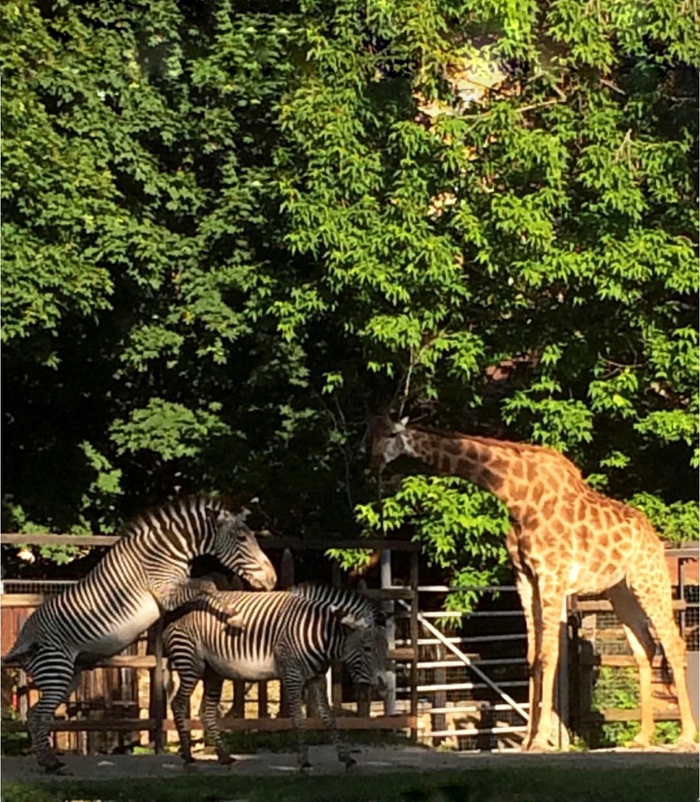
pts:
[474, 731]
[476, 707]
[464, 686]
[495, 661]
[458, 614]
[473, 639]
[446, 589]
[436, 632]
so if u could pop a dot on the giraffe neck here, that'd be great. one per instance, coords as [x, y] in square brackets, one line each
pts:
[482, 463]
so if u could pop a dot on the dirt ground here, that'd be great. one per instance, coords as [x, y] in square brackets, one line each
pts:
[370, 760]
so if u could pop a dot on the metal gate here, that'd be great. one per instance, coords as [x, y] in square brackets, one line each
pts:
[472, 680]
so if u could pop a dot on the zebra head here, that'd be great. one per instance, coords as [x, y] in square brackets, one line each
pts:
[236, 545]
[365, 651]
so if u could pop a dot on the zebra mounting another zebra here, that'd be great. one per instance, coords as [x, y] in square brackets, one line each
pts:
[287, 635]
[146, 572]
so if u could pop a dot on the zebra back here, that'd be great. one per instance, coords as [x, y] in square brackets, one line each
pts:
[345, 601]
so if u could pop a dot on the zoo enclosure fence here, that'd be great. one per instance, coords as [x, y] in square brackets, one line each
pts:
[462, 686]
[113, 682]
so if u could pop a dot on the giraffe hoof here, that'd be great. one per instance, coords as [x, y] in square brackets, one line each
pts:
[640, 742]
[304, 767]
[540, 746]
[225, 760]
[687, 745]
[190, 765]
[349, 763]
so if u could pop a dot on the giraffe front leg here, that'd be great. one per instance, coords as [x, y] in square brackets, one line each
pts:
[527, 593]
[318, 689]
[547, 661]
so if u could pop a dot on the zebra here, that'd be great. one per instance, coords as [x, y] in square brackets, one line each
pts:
[145, 573]
[350, 601]
[285, 636]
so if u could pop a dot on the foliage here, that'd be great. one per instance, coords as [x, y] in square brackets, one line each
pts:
[230, 233]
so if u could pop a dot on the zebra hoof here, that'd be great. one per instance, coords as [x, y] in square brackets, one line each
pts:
[56, 767]
[237, 621]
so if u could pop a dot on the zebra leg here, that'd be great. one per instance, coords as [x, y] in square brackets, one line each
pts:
[189, 677]
[294, 688]
[171, 595]
[318, 689]
[55, 676]
[210, 710]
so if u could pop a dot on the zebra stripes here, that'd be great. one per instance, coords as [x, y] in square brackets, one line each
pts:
[143, 574]
[285, 636]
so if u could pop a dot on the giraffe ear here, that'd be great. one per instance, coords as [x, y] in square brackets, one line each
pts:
[404, 421]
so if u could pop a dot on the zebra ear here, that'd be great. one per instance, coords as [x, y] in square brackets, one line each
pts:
[348, 619]
[214, 516]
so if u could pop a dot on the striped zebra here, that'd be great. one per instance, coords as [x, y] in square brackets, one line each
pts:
[145, 573]
[285, 636]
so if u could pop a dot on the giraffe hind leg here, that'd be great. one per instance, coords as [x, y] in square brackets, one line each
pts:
[655, 598]
[634, 622]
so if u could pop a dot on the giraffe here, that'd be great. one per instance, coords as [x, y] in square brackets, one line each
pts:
[565, 538]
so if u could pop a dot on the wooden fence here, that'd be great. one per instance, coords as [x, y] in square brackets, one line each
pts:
[465, 687]
[598, 645]
[122, 715]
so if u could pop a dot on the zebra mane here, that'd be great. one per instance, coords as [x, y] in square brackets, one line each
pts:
[343, 600]
[179, 505]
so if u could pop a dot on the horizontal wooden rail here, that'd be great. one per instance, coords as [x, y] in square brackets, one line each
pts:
[149, 660]
[615, 660]
[89, 725]
[118, 661]
[635, 714]
[94, 541]
[604, 606]
[401, 722]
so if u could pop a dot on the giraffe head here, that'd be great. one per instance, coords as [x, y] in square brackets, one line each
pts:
[389, 441]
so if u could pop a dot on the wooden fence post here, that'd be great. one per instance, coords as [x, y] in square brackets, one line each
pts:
[336, 667]
[158, 702]
[438, 721]
[285, 580]
[389, 608]
[414, 642]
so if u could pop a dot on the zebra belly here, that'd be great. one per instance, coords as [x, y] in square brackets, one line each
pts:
[262, 668]
[125, 628]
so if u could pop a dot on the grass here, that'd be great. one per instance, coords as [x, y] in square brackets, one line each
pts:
[477, 785]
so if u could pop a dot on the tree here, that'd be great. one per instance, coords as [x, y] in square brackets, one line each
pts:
[233, 234]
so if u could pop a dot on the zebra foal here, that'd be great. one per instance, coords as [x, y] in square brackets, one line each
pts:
[145, 573]
[285, 636]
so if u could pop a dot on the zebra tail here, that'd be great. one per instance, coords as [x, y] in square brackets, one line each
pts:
[24, 645]
[172, 683]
